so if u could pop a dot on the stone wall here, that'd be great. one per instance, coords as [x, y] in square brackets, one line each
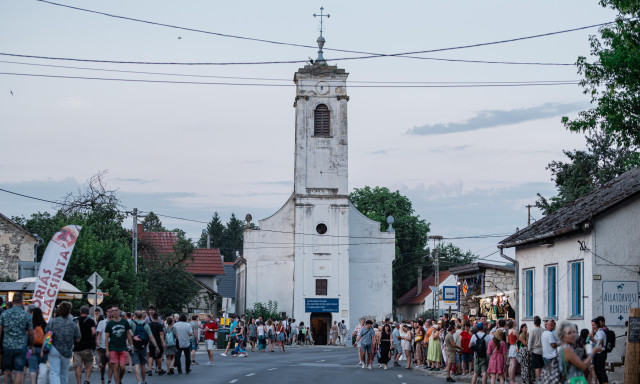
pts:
[15, 245]
[495, 280]
[498, 280]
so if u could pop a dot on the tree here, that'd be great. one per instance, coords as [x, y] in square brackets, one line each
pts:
[267, 311]
[171, 287]
[451, 256]
[613, 80]
[103, 245]
[152, 223]
[215, 230]
[233, 237]
[411, 231]
[602, 161]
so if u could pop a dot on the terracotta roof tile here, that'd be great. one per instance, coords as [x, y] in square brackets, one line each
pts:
[410, 298]
[206, 262]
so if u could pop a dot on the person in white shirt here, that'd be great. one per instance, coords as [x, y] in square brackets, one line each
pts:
[549, 342]
[101, 350]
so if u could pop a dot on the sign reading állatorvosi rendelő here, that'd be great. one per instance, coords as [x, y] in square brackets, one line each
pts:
[617, 298]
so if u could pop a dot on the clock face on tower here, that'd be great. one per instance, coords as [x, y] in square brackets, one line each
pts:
[322, 87]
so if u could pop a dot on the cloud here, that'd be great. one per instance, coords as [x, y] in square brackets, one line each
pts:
[382, 151]
[135, 180]
[276, 182]
[495, 118]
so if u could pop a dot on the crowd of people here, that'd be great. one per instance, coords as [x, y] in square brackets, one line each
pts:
[489, 349]
[146, 344]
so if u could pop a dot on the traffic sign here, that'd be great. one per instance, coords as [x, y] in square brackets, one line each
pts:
[95, 279]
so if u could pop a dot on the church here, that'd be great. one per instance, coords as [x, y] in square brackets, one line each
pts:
[318, 257]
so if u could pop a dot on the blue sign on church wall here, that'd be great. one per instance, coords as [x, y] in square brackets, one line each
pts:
[321, 305]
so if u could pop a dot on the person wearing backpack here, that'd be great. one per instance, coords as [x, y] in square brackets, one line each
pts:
[478, 345]
[142, 336]
[38, 338]
[155, 354]
[599, 337]
[83, 349]
[169, 345]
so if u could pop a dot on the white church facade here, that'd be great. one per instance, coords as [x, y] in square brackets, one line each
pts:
[318, 257]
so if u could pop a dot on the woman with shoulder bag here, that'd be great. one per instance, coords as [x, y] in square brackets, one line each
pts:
[35, 360]
[568, 360]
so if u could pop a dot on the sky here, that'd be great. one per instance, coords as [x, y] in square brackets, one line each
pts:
[469, 158]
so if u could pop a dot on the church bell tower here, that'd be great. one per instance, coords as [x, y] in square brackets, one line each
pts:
[321, 156]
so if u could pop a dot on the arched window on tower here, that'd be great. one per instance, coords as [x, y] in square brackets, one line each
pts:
[321, 123]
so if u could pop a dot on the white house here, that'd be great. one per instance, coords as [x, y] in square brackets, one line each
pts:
[318, 257]
[421, 297]
[583, 260]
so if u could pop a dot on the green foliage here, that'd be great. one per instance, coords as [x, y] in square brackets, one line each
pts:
[267, 311]
[429, 314]
[411, 231]
[603, 161]
[613, 79]
[451, 256]
[228, 238]
[103, 246]
[171, 287]
[152, 223]
[215, 230]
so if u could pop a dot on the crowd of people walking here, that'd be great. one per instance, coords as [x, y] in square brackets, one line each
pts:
[146, 344]
[489, 350]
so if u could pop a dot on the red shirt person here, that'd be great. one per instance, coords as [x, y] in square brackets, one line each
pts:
[210, 329]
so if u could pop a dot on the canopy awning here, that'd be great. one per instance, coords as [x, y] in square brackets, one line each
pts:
[511, 295]
[27, 284]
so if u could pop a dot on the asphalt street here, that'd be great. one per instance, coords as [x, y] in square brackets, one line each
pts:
[316, 364]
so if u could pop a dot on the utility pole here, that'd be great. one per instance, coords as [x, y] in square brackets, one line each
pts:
[529, 214]
[436, 262]
[134, 239]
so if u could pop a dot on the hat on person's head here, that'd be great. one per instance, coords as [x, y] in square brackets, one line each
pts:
[498, 334]
[479, 325]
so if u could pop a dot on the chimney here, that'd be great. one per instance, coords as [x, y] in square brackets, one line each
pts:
[139, 228]
[419, 281]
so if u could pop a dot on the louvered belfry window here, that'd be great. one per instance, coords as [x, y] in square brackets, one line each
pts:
[321, 123]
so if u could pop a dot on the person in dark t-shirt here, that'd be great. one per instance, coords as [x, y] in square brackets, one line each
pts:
[83, 349]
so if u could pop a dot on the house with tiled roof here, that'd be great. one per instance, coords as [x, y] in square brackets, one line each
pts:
[205, 265]
[17, 250]
[420, 298]
[583, 260]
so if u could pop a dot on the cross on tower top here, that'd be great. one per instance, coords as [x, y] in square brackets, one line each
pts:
[320, 60]
[321, 15]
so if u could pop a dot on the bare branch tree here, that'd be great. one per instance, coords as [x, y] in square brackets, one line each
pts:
[94, 195]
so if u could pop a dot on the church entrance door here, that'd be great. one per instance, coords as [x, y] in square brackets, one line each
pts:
[320, 323]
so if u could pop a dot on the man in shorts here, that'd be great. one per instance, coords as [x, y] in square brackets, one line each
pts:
[102, 352]
[18, 334]
[142, 336]
[210, 330]
[195, 338]
[535, 346]
[366, 339]
[118, 334]
[480, 363]
[83, 349]
[155, 354]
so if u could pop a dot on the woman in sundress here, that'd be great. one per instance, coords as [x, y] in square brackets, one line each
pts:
[527, 374]
[434, 353]
[497, 350]
[334, 333]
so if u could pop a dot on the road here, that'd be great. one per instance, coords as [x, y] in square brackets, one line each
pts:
[297, 365]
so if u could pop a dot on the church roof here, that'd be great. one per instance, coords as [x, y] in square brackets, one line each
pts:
[411, 298]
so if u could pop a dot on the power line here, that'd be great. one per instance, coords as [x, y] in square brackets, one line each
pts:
[275, 79]
[285, 85]
[31, 197]
[403, 54]
[611, 262]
